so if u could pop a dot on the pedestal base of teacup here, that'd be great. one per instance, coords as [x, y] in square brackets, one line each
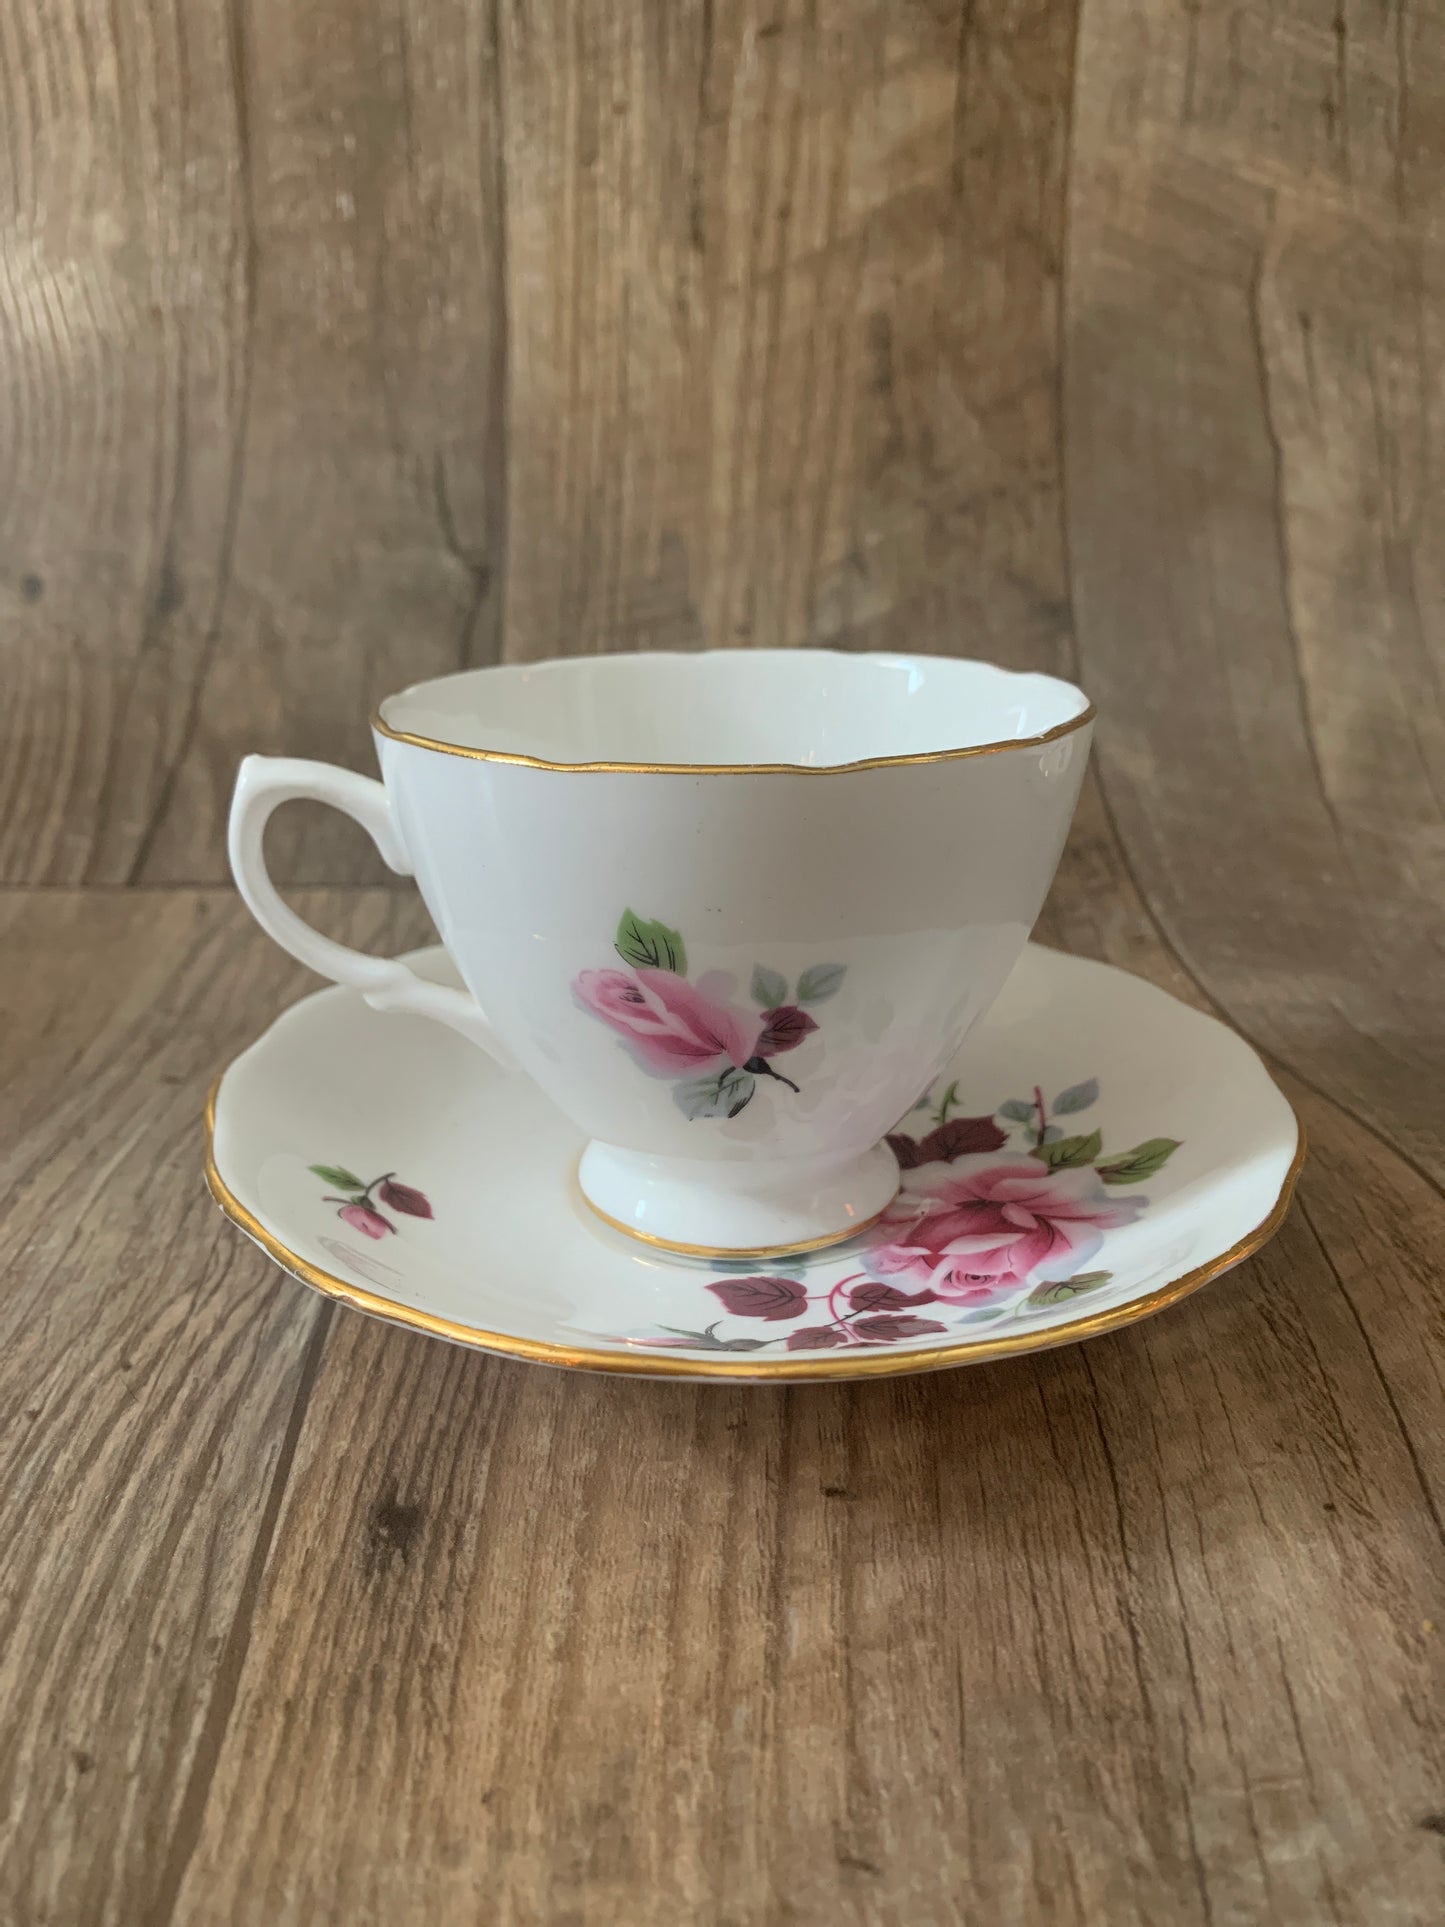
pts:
[704, 1210]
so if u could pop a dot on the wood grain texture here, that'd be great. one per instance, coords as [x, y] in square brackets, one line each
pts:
[1253, 443]
[341, 345]
[150, 1378]
[782, 299]
[253, 407]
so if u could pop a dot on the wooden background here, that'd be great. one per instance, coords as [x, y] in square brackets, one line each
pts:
[347, 341]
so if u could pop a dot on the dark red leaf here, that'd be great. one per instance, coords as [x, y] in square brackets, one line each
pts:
[784, 1029]
[958, 1137]
[815, 1338]
[771, 1298]
[871, 1297]
[887, 1326]
[402, 1197]
[905, 1149]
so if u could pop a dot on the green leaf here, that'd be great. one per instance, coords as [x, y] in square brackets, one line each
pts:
[1060, 1291]
[1018, 1110]
[819, 981]
[1069, 1153]
[650, 946]
[1078, 1097]
[338, 1175]
[1132, 1167]
[769, 987]
[720, 1096]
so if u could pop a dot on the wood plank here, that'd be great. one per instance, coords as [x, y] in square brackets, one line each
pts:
[149, 1371]
[250, 308]
[123, 291]
[1254, 406]
[782, 288]
[1138, 1632]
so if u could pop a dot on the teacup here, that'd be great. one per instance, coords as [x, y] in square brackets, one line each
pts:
[733, 911]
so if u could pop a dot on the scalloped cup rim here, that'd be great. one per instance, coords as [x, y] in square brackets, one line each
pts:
[391, 721]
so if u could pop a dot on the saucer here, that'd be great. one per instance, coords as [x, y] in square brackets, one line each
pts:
[1096, 1151]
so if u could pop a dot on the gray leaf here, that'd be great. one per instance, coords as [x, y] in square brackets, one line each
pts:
[1078, 1097]
[709, 1341]
[769, 987]
[819, 981]
[716, 1096]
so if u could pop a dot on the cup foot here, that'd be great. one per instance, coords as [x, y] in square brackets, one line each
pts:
[730, 1211]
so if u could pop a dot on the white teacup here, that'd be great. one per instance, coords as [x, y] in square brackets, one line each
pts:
[732, 911]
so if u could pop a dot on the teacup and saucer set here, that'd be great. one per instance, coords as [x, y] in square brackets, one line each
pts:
[762, 1078]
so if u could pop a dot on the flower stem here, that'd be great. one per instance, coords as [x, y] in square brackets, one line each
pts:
[770, 1072]
[840, 1318]
[1043, 1115]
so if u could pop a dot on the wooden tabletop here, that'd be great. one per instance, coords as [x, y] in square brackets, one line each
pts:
[342, 344]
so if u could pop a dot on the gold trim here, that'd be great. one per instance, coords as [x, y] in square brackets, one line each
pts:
[880, 1364]
[384, 728]
[729, 1252]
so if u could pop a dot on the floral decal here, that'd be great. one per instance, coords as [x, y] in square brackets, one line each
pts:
[996, 1216]
[694, 1032]
[359, 1207]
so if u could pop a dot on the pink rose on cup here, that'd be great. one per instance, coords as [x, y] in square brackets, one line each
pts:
[693, 1032]
[977, 1229]
[674, 1027]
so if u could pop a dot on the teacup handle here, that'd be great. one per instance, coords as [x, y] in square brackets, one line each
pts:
[265, 782]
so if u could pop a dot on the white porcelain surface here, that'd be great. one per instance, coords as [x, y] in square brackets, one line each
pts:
[1174, 1151]
[732, 982]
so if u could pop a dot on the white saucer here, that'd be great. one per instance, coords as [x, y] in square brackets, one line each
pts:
[1176, 1154]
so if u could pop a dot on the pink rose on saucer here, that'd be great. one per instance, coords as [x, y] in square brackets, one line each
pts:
[976, 1229]
[362, 1218]
[674, 1027]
